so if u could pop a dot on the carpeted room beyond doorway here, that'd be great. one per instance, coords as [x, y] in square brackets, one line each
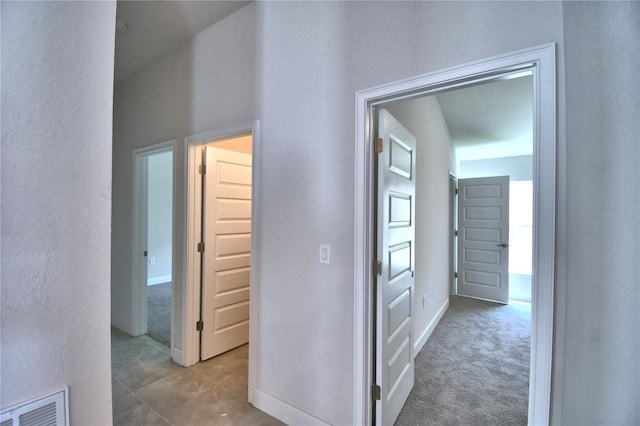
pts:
[474, 369]
[159, 313]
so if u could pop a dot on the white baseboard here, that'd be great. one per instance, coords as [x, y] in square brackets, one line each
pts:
[159, 280]
[420, 342]
[121, 324]
[282, 411]
[177, 355]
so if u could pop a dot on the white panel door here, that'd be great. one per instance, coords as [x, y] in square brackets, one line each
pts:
[226, 223]
[483, 238]
[395, 247]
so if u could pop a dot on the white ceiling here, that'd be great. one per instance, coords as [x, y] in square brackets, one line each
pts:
[489, 120]
[156, 27]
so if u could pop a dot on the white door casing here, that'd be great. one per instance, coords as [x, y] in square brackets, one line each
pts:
[227, 251]
[483, 238]
[541, 62]
[395, 249]
[138, 306]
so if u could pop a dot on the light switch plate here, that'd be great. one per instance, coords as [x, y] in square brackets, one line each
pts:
[324, 255]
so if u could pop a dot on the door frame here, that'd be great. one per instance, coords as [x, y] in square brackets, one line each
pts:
[540, 61]
[139, 232]
[192, 232]
[453, 240]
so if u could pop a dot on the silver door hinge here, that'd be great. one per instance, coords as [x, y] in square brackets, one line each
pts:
[377, 267]
[200, 247]
[202, 169]
[375, 392]
[377, 148]
[199, 326]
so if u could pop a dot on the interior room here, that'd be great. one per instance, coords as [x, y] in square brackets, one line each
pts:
[298, 77]
[480, 131]
[159, 245]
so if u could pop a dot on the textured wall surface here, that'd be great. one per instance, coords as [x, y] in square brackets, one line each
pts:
[295, 66]
[57, 88]
[207, 83]
[423, 117]
[314, 57]
[597, 355]
[160, 220]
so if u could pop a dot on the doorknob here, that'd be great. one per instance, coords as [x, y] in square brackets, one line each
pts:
[503, 245]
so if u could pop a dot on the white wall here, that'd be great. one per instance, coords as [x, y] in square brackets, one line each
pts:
[423, 118]
[597, 366]
[314, 57]
[160, 216]
[296, 66]
[57, 86]
[204, 84]
[517, 168]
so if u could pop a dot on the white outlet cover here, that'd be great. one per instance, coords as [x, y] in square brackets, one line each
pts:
[324, 254]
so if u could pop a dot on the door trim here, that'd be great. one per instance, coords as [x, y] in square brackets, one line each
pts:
[541, 63]
[139, 233]
[192, 235]
[453, 240]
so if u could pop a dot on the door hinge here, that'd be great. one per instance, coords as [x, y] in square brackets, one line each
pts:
[377, 267]
[455, 232]
[375, 392]
[202, 169]
[145, 254]
[199, 326]
[378, 146]
[455, 275]
[200, 247]
[456, 191]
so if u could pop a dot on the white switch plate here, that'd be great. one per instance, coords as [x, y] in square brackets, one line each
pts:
[324, 255]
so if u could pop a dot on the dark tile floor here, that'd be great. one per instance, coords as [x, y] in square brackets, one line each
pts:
[150, 389]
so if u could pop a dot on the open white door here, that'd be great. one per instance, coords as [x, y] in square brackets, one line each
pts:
[395, 247]
[227, 251]
[483, 238]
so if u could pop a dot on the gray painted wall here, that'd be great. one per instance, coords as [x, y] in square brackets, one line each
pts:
[597, 361]
[189, 91]
[315, 56]
[57, 91]
[423, 118]
[517, 168]
[296, 66]
[160, 216]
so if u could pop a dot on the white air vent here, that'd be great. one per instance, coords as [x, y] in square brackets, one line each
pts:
[49, 410]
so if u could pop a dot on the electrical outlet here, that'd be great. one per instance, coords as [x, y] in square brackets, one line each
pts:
[324, 255]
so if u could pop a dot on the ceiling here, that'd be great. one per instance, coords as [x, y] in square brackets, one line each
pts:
[489, 120]
[156, 27]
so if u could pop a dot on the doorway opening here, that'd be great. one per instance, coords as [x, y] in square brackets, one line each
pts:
[153, 207]
[220, 232]
[159, 245]
[540, 64]
[501, 147]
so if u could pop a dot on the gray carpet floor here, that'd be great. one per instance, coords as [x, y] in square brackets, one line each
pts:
[159, 313]
[474, 369]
